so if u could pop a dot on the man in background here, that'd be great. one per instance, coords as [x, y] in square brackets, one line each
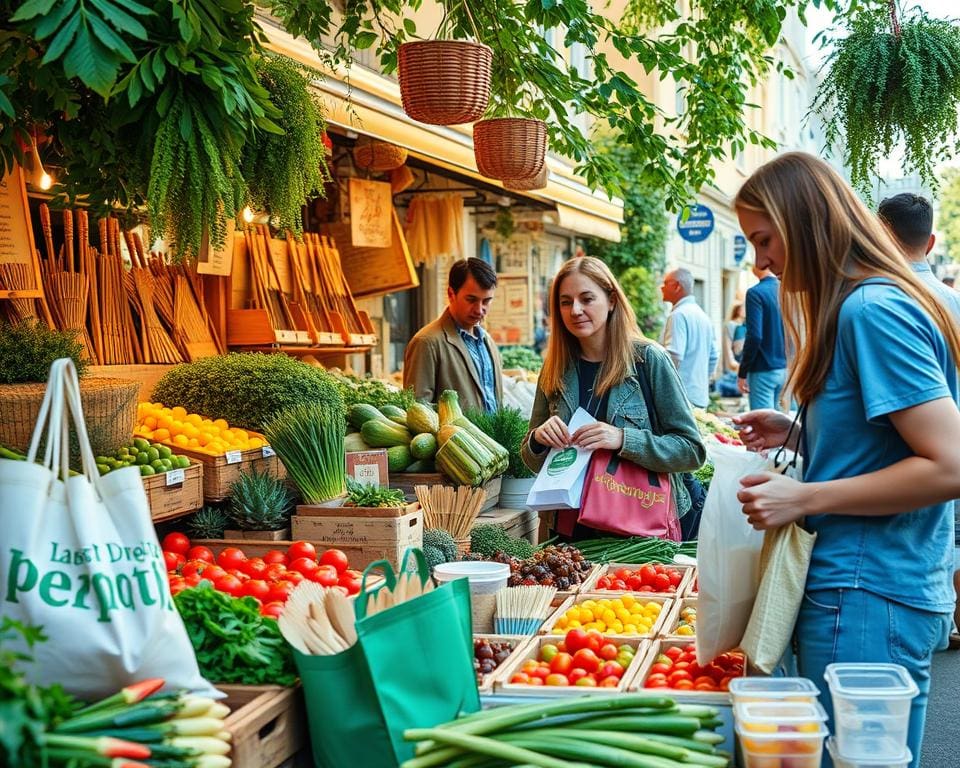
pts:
[763, 363]
[909, 218]
[454, 352]
[688, 336]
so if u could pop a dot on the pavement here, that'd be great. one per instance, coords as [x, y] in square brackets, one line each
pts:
[941, 738]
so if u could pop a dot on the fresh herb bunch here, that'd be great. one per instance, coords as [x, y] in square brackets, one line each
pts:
[246, 389]
[259, 502]
[705, 475]
[282, 171]
[232, 641]
[362, 495]
[308, 439]
[890, 81]
[520, 357]
[28, 349]
[507, 426]
[208, 523]
[355, 390]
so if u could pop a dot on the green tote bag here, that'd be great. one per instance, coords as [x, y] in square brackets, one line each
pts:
[412, 667]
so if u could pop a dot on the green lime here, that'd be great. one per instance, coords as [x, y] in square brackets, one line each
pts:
[147, 470]
[101, 459]
[157, 464]
[140, 444]
[122, 452]
[165, 453]
[142, 458]
[182, 462]
[153, 454]
[102, 468]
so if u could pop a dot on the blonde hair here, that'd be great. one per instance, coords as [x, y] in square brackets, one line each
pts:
[831, 242]
[563, 349]
[736, 308]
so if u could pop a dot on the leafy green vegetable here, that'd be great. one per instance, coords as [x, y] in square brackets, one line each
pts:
[507, 426]
[520, 357]
[705, 475]
[487, 539]
[355, 390]
[27, 350]
[260, 502]
[362, 495]
[308, 439]
[233, 642]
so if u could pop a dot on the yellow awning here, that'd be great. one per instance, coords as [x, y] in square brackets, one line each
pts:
[364, 101]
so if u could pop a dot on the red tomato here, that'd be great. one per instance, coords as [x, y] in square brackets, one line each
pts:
[177, 585]
[254, 567]
[257, 588]
[647, 574]
[556, 679]
[704, 686]
[661, 582]
[680, 665]
[540, 672]
[301, 549]
[271, 610]
[192, 580]
[294, 577]
[657, 677]
[659, 567]
[575, 640]
[665, 669]
[561, 664]
[176, 542]
[676, 677]
[173, 560]
[603, 582]
[536, 681]
[611, 669]
[336, 558]
[213, 573]
[595, 640]
[608, 652]
[529, 665]
[520, 678]
[576, 674]
[305, 565]
[634, 582]
[352, 574]
[351, 585]
[587, 682]
[275, 571]
[683, 685]
[623, 574]
[673, 652]
[229, 584]
[275, 556]
[239, 574]
[675, 577]
[279, 591]
[201, 553]
[703, 680]
[658, 683]
[609, 682]
[587, 660]
[325, 576]
[231, 557]
[619, 585]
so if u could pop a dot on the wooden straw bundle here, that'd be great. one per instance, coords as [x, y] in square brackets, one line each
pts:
[329, 281]
[453, 510]
[191, 331]
[157, 346]
[521, 610]
[19, 277]
[68, 291]
[266, 295]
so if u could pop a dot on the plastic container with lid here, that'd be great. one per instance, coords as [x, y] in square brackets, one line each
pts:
[779, 716]
[871, 705]
[744, 689]
[486, 579]
[777, 733]
[878, 761]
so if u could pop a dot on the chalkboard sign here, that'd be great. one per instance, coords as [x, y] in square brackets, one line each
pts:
[16, 234]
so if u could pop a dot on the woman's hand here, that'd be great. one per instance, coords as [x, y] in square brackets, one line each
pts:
[553, 432]
[761, 429]
[592, 437]
[771, 500]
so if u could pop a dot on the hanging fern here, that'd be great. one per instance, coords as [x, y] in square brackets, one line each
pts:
[282, 171]
[888, 82]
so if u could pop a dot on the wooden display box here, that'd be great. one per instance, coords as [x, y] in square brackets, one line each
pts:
[563, 595]
[220, 472]
[518, 523]
[283, 534]
[531, 650]
[516, 642]
[635, 682]
[686, 570]
[175, 493]
[669, 628]
[666, 604]
[407, 482]
[693, 586]
[268, 724]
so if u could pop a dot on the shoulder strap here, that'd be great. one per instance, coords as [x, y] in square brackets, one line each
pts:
[647, 391]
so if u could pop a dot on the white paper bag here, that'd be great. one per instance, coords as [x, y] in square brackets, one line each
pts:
[79, 557]
[728, 554]
[559, 483]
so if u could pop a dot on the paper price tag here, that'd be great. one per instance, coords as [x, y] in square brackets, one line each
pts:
[267, 452]
[175, 476]
[234, 457]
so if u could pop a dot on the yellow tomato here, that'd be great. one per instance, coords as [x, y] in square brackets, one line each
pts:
[161, 434]
[179, 412]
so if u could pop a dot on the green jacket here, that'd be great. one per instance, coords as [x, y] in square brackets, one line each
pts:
[437, 359]
[678, 449]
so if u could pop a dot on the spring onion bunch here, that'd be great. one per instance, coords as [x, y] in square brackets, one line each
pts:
[309, 441]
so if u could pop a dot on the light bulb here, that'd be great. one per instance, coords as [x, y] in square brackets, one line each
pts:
[247, 214]
[46, 181]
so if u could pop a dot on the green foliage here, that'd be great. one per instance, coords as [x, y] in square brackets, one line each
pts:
[948, 211]
[705, 474]
[247, 389]
[438, 546]
[374, 392]
[520, 357]
[883, 88]
[259, 502]
[507, 426]
[308, 438]
[208, 523]
[28, 349]
[641, 287]
[373, 496]
[487, 539]
[283, 170]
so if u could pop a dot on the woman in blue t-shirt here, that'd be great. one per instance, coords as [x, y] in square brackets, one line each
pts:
[876, 372]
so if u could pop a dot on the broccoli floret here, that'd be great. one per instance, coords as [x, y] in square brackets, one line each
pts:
[705, 475]
[519, 548]
[488, 538]
[433, 555]
[441, 541]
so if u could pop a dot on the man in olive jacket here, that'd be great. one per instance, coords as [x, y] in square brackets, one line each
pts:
[454, 352]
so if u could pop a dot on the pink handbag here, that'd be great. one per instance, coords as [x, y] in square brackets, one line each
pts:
[624, 498]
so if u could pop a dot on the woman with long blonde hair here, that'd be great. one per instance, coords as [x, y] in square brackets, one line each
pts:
[594, 359]
[875, 373]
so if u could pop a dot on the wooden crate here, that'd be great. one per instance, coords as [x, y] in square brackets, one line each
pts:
[668, 629]
[175, 493]
[686, 570]
[407, 482]
[485, 683]
[531, 650]
[268, 724]
[666, 604]
[518, 523]
[563, 595]
[219, 472]
[636, 681]
[693, 586]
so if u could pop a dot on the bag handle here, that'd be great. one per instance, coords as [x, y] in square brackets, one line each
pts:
[647, 395]
[390, 581]
[798, 419]
[423, 570]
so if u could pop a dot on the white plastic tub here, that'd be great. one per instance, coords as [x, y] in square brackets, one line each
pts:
[779, 716]
[871, 706]
[746, 689]
[878, 761]
[486, 579]
[798, 749]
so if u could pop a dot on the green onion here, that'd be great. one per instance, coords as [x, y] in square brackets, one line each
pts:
[309, 441]
[484, 746]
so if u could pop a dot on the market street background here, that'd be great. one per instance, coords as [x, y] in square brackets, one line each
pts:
[942, 736]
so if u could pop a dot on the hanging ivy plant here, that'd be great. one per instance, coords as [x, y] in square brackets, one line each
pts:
[282, 171]
[890, 81]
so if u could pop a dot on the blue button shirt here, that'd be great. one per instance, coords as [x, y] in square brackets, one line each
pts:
[476, 346]
[949, 297]
[688, 335]
[889, 356]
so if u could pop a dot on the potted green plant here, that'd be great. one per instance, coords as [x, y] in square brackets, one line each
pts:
[508, 426]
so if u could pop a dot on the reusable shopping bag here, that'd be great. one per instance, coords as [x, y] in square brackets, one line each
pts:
[411, 667]
[559, 484]
[728, 554]
[79, 557]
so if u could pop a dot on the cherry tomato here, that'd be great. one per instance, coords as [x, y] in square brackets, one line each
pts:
[257, 588]
[587, 660]
[173, 560]
[275, 571]
[663, 668]
[231, 557]
[304, 565]
[213, 572]
[229, 584]
[301, 549]
[556, 679]
[201, 553]
[608, 652]
[520, 678]
[254, 567]
[324, 575]
[575, 640]
[271, 610]
[561, 664]
[275, 556]
[609, 682]
[351, 585]
[294, 577]
[336, 558]
[611, 669]
[279, 591]
[176, 542]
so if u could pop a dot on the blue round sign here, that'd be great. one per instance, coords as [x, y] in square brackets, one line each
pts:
[739, 248]
[695, 223]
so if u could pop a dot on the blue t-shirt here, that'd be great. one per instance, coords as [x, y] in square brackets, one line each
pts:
[889, 356]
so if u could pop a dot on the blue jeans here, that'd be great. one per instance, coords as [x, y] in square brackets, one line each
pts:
[853, 625]
[765, 388]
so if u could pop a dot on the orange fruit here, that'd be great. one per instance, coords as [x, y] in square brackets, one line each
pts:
[161, 434]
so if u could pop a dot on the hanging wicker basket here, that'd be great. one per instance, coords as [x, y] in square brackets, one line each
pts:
[444, 82]
[510, 147]
[378, 156]
[529, 184]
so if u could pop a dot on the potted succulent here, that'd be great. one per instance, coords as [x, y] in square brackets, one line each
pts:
[508, 426]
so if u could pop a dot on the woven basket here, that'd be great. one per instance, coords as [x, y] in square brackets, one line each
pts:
[463, 546]
[444, 82]
[510, 147]
[109, 408]
[526, 185]
[378, 156]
